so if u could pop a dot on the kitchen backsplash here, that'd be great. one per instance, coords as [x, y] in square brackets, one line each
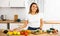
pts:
[10, 12]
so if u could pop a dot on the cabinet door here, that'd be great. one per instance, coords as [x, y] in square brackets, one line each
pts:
[17, 3]
[3, 26]
[15, 25]
[56, 26]
[4, 3]
[47, 26]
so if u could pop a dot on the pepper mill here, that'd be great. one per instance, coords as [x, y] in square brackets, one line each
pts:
[15, 17]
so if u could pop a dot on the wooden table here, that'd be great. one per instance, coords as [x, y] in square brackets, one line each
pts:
[2, 34]
[30, 35]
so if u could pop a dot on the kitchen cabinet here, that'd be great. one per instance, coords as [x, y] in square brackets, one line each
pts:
[15, 25]
[12, 3]
[17, 3]
[3, 26]
[4, 3]
[47, 26]
[56, 26]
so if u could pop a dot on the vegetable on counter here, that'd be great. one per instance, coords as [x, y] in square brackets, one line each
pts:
[27, 32]
[52, 31]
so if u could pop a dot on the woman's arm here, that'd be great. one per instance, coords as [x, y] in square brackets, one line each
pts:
[25, 24]
[41, 23]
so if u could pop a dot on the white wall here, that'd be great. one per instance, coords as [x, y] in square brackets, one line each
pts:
[10, 12]
[52, 9]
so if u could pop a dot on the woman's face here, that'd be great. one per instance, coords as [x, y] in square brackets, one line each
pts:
[34, 8]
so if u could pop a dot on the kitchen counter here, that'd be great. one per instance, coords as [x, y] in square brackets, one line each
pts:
[52, 22]
[10, 21]
[2, 34]
[46, 22]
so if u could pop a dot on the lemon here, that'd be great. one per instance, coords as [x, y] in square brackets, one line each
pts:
[14, 32]
[10, 33]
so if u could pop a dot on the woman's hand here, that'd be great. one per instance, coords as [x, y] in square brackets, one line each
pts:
[17, 29]
[22, 26]
[40, 28]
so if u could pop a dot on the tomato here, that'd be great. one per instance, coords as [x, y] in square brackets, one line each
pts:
[26, 34]
[22, 33]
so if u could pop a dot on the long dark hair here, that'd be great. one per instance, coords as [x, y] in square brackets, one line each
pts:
[37, 11]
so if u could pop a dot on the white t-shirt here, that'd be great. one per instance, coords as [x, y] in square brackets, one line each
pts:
[34, 20]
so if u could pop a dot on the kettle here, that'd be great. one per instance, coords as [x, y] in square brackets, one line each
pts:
[3, 17]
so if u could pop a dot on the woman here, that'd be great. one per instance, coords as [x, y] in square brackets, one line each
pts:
[34, 18]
